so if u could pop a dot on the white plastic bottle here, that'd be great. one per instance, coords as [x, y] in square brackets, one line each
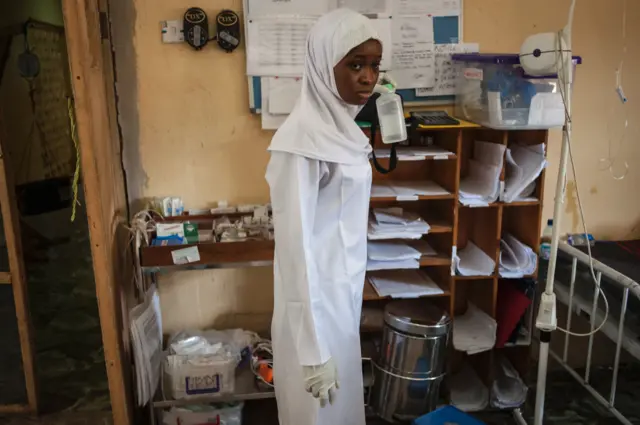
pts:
[391, 115]
[545, 245]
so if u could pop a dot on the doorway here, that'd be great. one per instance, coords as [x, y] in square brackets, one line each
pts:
[36, 110]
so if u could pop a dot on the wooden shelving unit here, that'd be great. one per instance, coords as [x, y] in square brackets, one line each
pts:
[453, 226]
[457, 225]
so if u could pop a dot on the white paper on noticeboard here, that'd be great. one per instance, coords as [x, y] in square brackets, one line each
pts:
[383, 28]
[368, 7]
[262, 8]
[427, 7]
[277, 46]
[413, 52]
[445, 72]
[283, 94]
[269, 121]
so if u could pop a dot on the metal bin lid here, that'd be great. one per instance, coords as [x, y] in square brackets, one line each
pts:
[417, 318]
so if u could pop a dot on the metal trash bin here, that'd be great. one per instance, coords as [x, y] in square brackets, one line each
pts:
[411, 363]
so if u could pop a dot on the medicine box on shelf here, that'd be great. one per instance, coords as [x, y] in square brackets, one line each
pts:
[494, 91]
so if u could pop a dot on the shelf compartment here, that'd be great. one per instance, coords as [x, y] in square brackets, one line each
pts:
[439, 213]
[524, 223]
[245, 389]
[414, 154]
[481, 226]
[212, 256]
[527, 318]
[435, 260]
[481, 292]
[370, 293]
[443, 173]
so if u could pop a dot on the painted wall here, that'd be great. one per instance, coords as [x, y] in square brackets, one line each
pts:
[188, 132]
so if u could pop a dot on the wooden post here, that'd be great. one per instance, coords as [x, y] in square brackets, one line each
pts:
[104, 191]
[17, 278]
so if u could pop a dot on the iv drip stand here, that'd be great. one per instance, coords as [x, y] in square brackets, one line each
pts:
[565, 70]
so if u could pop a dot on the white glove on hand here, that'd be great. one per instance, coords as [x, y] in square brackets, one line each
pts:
[322, 381]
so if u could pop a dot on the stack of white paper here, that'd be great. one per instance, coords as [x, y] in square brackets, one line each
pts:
[474, 332]
[403, 284]
[472, 261]
[524, 165]
[396, 223]
[508, 390]
[392, 255]
[481, 186]
[146, 338]
[417, 153]
[516, 258]
[468, 392]
[407, 191]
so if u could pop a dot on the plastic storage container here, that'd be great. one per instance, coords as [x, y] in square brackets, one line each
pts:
[411, 365]
[494, 91]
[195, 376]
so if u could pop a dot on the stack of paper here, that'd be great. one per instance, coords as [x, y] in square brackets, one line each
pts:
[396, 223]
[472, 261]
[508, 390]
[474, 332]
[392, 255]
[481, 186]
[516, 258]
[415, 153]
[146, 338]
[407, 191]
[468, 392]
[403, 284]
[524, 165]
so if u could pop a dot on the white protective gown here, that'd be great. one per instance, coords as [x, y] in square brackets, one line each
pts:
[320, 181]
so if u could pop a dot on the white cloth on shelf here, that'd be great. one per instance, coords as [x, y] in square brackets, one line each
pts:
[508, 390]
[468, 393]
[474, 331]
[472, 261]
[516, 258]
[481, 186]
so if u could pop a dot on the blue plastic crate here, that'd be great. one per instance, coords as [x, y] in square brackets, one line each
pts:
[448, 415]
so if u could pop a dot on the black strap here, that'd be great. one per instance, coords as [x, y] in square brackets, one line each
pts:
[393, 159]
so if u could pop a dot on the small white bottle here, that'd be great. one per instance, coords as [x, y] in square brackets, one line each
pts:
[391, 116]
[545, 245]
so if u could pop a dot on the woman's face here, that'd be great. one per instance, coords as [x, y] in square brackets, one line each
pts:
[357, 73]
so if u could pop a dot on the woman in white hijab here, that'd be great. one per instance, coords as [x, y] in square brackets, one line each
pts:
[320, 181]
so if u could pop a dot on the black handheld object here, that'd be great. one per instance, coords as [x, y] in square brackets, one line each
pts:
[228, 30]
[196, 27]
[369, 113]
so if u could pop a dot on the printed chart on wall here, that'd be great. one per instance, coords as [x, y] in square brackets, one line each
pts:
[419, 37]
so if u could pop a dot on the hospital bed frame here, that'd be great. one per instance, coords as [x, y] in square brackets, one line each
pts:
[614, 329]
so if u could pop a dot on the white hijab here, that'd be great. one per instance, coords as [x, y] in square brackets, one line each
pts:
[321, 125]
